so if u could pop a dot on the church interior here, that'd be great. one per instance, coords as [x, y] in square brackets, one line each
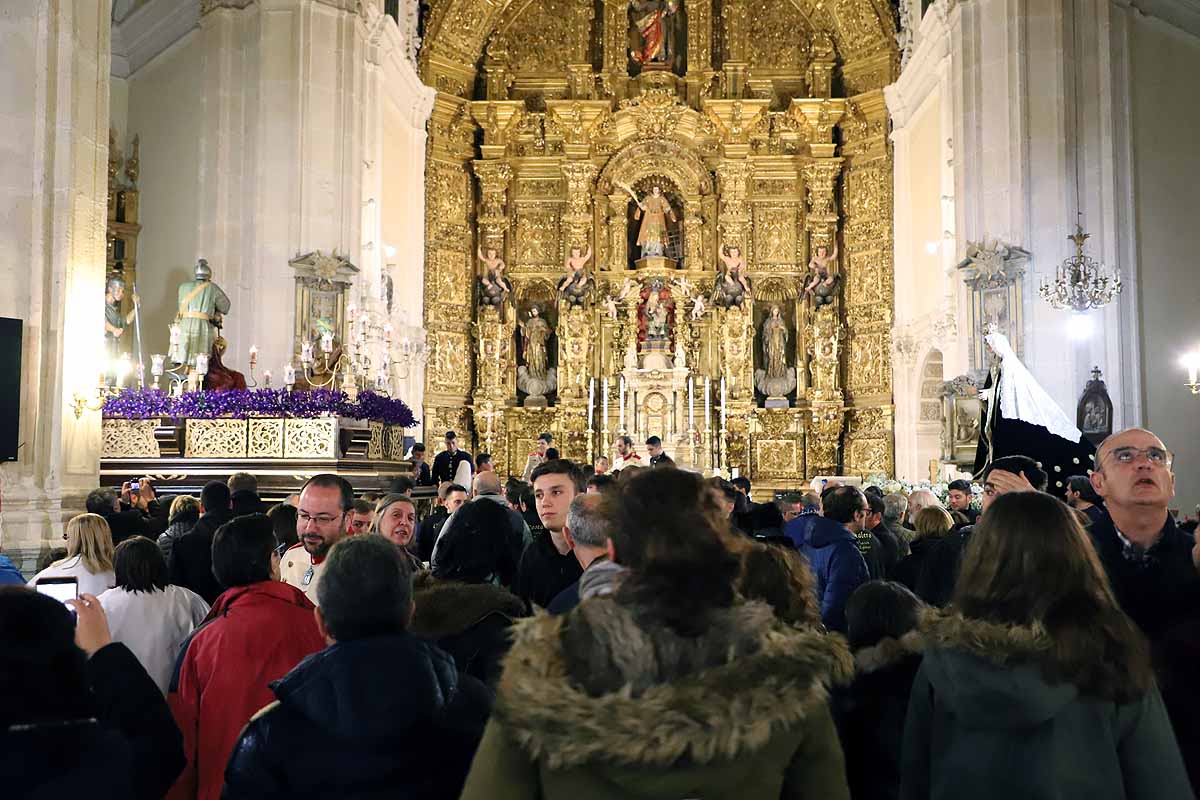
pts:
[297, 236]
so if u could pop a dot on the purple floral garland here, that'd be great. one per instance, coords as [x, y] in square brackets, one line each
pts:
[244, 403]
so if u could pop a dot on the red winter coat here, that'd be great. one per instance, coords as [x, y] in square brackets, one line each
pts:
[254, 634]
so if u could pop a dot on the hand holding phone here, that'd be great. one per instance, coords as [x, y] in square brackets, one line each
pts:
[61, 589]
[91, 631]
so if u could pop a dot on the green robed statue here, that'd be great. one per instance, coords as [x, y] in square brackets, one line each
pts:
[201, 306]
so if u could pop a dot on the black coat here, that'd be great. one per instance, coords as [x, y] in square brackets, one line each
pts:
[191, 557]
[125, 746]
[383, 717]
[132, 522]
[889, 549]
[428, 530]
[470, 621]
[544, 572]
[930, 569]
[870, 715]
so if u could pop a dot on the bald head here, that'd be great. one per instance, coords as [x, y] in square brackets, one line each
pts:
[486, 483]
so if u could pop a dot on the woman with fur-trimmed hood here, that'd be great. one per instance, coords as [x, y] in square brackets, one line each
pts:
[1035, 684]
[671, 687]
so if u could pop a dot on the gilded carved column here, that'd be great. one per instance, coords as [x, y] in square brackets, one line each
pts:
[494, 177]
[493, 332]
[734, 223]
[577, 221]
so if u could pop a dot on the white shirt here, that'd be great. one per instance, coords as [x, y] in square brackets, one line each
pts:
[295, 566]
[154, 624]
[73, 567]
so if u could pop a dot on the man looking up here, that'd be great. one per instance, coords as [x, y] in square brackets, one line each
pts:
[1149, 561]
[547, 566]
[322, 521]
[589, 532]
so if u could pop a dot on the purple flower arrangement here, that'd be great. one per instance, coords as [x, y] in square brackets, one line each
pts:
[245, 403]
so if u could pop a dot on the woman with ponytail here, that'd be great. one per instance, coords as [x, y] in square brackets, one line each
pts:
[673, 685]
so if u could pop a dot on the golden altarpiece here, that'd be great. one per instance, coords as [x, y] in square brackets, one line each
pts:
[752, 330]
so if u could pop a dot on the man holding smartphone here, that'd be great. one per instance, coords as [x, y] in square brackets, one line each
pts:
[135, 512]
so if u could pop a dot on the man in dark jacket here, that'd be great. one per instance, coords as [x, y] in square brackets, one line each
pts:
[833, 553]
[888, 542]
[338, 726]
[191, 557]
[132, 514]
[445, 464]
[548, 566]
[451, 496]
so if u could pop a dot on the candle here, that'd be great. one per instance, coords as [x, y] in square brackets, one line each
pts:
[691, 408]
[622, 401]
[326, 342]
[267, 379]
[604, 404]
[591, 399]
[707, 403]
[306, 352]
[381, 381]
[387, 331]
[156, 365]
[253, 356]
[289, 375]
[174, 334]
[722, 402]
[202, 364]
[352, 310]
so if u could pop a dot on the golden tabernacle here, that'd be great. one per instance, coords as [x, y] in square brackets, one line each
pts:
[667, 219]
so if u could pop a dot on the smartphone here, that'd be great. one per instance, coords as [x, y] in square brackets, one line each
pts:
[61, 589]
[135, 486]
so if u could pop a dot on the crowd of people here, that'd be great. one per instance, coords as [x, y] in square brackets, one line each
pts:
[612, 633]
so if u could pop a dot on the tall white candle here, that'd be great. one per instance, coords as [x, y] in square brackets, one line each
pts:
[621, 398]
[306, 352]
[691, 407]
[707, 403]
[604, 405]
[722, 402]
[591, 399]
[289, 375]
[175, 331]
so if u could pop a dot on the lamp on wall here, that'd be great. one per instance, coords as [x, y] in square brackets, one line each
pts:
[1191, 362]
[1080, 283]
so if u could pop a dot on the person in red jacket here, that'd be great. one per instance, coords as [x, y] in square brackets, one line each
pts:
[258, 630]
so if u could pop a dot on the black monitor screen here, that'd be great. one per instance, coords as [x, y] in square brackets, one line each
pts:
[10, 387]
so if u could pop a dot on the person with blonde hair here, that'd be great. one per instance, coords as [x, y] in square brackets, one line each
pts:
[185, 513]
[932, 523]
[1035, 683]
[89, 556]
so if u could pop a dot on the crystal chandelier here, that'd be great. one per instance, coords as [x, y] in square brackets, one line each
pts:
[1081, 283]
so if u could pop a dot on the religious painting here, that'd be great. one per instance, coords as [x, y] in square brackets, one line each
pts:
[1094, 414]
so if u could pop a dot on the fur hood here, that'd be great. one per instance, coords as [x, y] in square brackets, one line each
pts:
[888, 652]
[600, 686]
[446, 608]
[998, 644]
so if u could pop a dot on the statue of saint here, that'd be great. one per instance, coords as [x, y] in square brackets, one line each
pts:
[733, 284]
[494, 285]
[114, 321]
[822, 281]
[535, 332]
[653, 212]
[656, 27]
[774, 344]
[656, 314]
[575, 286]
[202, 305]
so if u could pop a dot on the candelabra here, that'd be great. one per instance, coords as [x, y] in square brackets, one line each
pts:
[1081, 283]
[120, 368]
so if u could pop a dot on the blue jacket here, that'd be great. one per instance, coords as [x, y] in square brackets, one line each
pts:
[9, 574]
[833, 555]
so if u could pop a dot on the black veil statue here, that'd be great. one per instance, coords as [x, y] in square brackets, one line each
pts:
[1019, 418]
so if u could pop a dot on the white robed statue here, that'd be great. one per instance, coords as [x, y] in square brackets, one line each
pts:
[201, 306]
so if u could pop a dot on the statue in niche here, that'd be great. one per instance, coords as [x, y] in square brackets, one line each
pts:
[494, 286]
[822, 281]
[575, 287]
[776, 379]
[657, 33]
[202, 306]
[653, 211]
[733, 284]
[656, 314]
[536, 377]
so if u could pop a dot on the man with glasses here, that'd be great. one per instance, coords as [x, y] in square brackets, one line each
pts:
[1149, 561]
[323, 519]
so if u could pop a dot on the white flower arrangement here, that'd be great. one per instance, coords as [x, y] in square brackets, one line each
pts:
[941, 489]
